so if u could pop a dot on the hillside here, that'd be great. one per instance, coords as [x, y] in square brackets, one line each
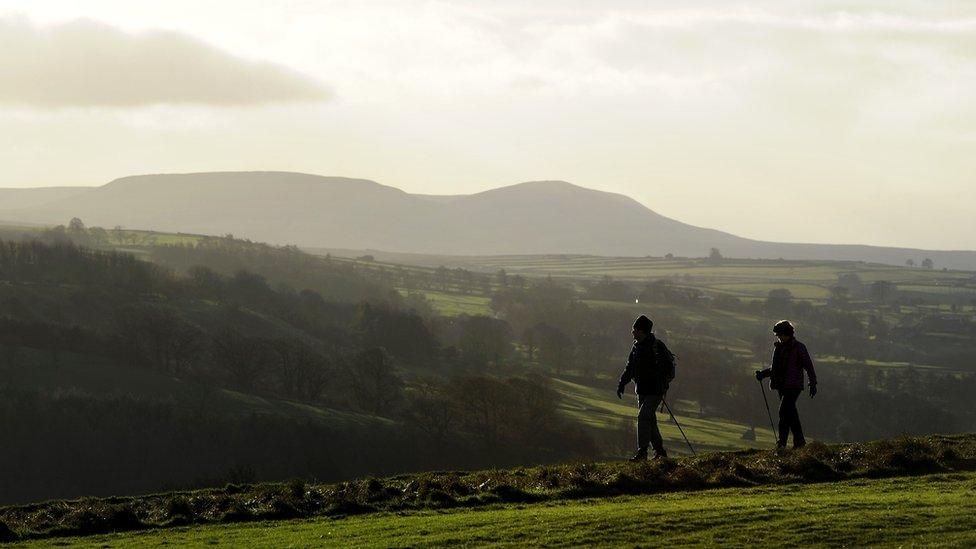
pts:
[756, 496]
[334, 212]
[15, 199]
[95, 344]
[843, 514]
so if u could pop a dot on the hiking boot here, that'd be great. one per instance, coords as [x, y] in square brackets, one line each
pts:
[660, 454]
[641, 455]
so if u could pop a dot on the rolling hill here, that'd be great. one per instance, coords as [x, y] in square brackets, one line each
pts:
[333, 212]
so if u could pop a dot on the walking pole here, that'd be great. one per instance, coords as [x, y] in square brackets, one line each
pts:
[675, 420]
[768, 414]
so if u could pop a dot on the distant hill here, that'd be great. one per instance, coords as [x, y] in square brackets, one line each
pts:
[13, 199]
[335, 212]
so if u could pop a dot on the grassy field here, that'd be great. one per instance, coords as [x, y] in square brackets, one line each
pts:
[601, 411]
[450, 304]
[911, 489]
[927, 510]
[811, 280]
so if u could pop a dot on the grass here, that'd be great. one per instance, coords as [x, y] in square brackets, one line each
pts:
[449, 304]
[926, 510]
[600, 410]
[764, 482]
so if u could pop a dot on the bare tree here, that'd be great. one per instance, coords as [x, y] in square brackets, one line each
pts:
[374, 384]
[160, 335]
[429, 409]
[240, 356]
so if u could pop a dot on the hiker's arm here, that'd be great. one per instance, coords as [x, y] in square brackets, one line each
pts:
[626, 376]
[762, 374]
[807, 363]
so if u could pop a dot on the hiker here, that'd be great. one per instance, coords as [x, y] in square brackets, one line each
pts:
[790, 360]
[651, 368]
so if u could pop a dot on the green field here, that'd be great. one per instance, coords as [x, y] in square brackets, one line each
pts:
[600, 410]
[811, 280]
[934, 510]
[452, 304]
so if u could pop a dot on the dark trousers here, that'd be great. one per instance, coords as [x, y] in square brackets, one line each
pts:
[789, 417]
[647, 429]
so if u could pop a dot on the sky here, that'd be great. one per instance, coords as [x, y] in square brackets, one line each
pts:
[831, 122]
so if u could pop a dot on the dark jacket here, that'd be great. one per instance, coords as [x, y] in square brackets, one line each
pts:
[790, 360]
[649, 367]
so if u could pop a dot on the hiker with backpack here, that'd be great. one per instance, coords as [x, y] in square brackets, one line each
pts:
[790, 360]
[651, 368]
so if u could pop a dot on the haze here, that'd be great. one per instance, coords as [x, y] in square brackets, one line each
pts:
[812, 123]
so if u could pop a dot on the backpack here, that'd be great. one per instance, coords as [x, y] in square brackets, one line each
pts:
[665, 359]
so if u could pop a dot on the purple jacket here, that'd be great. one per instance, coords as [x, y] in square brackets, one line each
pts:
[790, 359]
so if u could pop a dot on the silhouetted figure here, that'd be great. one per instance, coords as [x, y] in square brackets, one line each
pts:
[790, 360]
[651, 368]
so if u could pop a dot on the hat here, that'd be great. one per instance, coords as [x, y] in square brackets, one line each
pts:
[783, 327]
[643, 324]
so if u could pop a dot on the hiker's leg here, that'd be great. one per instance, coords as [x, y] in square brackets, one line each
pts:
[647, 429]
[785, 418]
[789, 419]
[646, 420]
[795, 426]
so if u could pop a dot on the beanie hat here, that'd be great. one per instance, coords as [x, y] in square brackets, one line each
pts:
[783, 327]
[643, 324]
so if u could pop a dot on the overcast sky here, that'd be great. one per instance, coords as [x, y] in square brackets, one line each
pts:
[849, 122]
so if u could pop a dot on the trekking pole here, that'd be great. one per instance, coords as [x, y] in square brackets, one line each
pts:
[675, 420]
[768, 414]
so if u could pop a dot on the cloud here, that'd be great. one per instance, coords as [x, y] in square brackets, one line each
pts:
[84, 63]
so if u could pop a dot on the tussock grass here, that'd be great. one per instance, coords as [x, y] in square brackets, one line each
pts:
[816, 462]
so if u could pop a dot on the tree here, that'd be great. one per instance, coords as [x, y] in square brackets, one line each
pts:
[76, 226]
[555, 347]
[517, 282]
[485, 340]
[301, 371]
[881, 290]
[375, 386]
[241, 357]
[927, 263]
[839, 294]
[528, 341]
[778, 301]
[431, 411]
[98, 235]
[160, 335]
[502, 278]
[851, 281]
[910, 263]
[593, 352]
[484, 405]
[715, 255]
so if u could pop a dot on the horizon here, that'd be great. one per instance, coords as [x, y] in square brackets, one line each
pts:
[505, 186]
[861, 112]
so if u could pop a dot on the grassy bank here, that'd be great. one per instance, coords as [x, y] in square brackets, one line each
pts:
[484, 489]
[928, 510]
